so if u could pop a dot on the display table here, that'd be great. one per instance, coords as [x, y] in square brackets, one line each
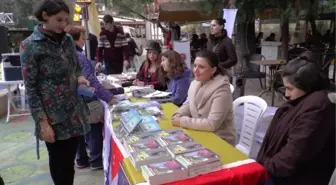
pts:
[237, 168]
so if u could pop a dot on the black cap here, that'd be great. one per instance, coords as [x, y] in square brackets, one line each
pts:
[153, 45]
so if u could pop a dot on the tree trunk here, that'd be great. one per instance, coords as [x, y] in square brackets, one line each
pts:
[245, 42]
[312, 25]
[285, 36]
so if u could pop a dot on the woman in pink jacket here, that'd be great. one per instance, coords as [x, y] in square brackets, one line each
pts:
[209, 103]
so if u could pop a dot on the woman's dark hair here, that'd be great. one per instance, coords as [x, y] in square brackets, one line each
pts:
[221, 22]
[51, 7]
[212, 60]
[304, 73]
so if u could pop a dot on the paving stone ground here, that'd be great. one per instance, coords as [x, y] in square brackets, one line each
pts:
[19, 165]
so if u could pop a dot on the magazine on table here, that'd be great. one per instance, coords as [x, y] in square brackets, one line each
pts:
[158, 94]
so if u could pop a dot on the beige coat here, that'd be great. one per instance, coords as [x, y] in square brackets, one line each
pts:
[209, 108]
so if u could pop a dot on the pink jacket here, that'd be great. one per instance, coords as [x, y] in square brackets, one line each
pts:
[209, 108]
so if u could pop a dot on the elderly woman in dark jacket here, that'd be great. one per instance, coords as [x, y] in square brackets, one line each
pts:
[299, 146]
[222, 45]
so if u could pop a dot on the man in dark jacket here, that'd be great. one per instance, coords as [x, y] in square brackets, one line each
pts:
[222, 45]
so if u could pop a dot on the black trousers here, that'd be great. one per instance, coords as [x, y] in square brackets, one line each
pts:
[1, 181]
[62, 155]
[114, 67]
[94, 139]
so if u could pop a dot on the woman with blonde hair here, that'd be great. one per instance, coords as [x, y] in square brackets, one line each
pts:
[176, 75]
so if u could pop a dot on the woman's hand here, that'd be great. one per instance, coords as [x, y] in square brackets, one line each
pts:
[140, 83]
[82, 81]
[47, 133]
[176, 121]
[112, 102]
[135, 81]
[98, 67]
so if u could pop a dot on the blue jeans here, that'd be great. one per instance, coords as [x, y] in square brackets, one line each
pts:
[94, 140]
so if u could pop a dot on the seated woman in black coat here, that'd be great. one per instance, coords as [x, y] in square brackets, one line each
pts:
[299, 146]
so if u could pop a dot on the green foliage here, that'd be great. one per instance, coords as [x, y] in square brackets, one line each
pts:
[331, 4]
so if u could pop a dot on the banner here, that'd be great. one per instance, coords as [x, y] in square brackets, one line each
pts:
[230, 17]
[94, 23]
[183, 48]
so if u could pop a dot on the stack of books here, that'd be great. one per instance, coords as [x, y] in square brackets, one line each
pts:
[164, 172]
[151, 156]
[171, 155]
[200, 162]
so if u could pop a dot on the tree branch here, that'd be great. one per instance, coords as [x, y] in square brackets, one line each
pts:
[131, 10]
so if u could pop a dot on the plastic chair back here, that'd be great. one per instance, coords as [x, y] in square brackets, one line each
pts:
[333, 178]
[254, 108]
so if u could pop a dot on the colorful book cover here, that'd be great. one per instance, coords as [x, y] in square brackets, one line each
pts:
[149, 156]
[147, 144]
[149, 124]
[130, 120]
[184, 148]
[197, 158]
[137, 137]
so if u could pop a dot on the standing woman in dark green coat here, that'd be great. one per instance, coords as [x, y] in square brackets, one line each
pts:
[52, 75]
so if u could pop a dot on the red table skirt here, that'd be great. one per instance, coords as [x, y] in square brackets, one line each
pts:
[245, 174]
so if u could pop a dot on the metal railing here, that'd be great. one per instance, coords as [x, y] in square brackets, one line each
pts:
[6, 18]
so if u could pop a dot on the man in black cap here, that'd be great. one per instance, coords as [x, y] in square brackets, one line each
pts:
[111, 47]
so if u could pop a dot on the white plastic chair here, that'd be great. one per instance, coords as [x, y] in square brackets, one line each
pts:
[254, 108]
[333, 178]
[232, 88]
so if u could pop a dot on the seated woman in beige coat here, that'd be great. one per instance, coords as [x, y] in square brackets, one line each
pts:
[209, 103]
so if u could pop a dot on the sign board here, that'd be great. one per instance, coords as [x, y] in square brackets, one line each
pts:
[183, 48]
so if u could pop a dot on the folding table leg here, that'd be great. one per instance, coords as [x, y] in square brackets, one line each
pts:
[9, 101]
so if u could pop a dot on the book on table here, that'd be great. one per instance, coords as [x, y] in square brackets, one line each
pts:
[149, 156]
[130, 120]
[181, 148]
[200, 161]
[143, 145]
[164, 172]
[149, 124]
[139, 136]
[170, 137]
